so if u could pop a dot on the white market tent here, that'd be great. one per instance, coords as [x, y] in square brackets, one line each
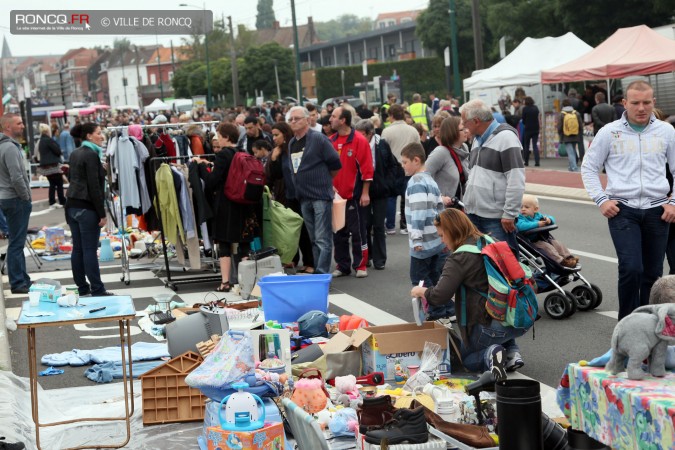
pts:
[157, 105]
[523, 66]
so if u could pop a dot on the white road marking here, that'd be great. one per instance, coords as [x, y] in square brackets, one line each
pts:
[567, 200]
[372, 314]
[610, 314]
[134, 330]
[595, 256]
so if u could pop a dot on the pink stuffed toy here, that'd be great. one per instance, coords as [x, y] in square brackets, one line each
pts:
[308, 395]
[347, 385]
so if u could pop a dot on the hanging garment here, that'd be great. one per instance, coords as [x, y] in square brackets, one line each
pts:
[167, 202]
[142, 154]
[127, 168]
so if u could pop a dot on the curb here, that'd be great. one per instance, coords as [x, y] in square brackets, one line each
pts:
[558, 191]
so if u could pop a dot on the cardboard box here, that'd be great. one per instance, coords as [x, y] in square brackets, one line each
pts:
[270, 437]
[48, 292]
[402, 344]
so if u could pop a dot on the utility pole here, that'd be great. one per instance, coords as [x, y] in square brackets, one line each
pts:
[124, 77]
[233, 63]
[139, 97]
[296, 45]
[173, 60]
[455, 56]
[477, 39]
[159, 72]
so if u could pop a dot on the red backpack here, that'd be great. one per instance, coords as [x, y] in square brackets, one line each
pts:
[245, 180]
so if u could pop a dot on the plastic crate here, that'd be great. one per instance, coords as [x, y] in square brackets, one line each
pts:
[286, 298]
[166, 397]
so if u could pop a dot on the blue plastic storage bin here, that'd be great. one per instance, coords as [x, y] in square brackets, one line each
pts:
[286, 298]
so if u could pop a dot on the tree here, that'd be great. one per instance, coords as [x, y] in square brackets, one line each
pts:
[123, 44]
[257, 72]
[265, 17]
[344, 25]
[181, 77]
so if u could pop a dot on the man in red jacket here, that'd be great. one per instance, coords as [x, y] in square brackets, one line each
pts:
[352, 183]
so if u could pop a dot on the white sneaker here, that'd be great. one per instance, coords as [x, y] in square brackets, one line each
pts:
[391, 231]
[58, 205]
[337, 273]
[361, 273]
[514, 362]
[404, 231]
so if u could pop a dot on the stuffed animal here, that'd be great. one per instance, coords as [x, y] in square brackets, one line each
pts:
[645, 333]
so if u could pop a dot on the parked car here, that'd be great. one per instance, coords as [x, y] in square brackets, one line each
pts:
[354, 101]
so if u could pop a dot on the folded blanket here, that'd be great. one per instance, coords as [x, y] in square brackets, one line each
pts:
[106, 372]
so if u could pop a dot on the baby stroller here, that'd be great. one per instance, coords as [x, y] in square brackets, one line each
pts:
[551, 276]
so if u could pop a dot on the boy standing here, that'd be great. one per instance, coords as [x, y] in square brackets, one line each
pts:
[422, 204]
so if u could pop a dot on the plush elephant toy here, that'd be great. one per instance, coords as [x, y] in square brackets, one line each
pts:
[645, 333]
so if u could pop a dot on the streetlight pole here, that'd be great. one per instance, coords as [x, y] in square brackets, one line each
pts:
[298, 74]
[233, 65]
[276, 77]
[206, 51]
[455, 58]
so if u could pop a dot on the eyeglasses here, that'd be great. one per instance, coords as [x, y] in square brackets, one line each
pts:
[295, 119]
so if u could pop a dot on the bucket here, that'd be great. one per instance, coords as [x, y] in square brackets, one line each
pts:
[286, 298]
[519, 414]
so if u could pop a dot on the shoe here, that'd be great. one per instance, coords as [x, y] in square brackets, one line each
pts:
[569, 262]
[10, 446]
[406, 425]
[58, 206]
[20, 290]
[374, 412]
[337, 273]
[391, 231]
[404, 231]
[514, 362]
[536, 165]
[361, 273]
[224, 287]
[495, 357]
[525, 164]
[379, 267]
[103, 294]
[476, 436]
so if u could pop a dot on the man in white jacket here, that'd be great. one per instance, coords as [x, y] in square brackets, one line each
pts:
[634, 150]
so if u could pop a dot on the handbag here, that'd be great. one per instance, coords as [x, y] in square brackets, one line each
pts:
[339, 213]
[281, 227]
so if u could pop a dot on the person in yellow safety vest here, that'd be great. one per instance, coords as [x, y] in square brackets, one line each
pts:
[419, 111]
[391, 99]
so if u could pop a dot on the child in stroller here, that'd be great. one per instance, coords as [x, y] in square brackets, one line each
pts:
[529, 219]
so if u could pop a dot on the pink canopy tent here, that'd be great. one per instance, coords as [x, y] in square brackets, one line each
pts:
[629, 51]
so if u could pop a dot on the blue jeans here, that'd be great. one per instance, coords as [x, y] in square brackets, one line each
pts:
[4, 228]
[84, 227]
[481, 337]
[572, 155]
[318, 215]
[429, 270]
[640, 238]
[17, 212]
[494, 228]
[390, 218]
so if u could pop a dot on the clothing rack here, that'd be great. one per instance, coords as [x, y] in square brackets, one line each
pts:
[173, 283]
[121, 219]
[164, 125]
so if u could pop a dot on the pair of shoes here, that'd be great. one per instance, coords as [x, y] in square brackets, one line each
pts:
[406, 425]
[536, 165]
[337, 273]
[361, 273]
[20, 290]
[570, 262]
[374, 412]
[103, 294]
[308, 270]
[404, 231]
[514, 362]
[224, 287]
[391, 231]
[495, 357]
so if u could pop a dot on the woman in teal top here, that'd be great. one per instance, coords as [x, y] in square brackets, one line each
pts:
[85, 211]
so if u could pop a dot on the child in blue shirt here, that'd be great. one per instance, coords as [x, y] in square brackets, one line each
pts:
[422, 205]
[529, 219]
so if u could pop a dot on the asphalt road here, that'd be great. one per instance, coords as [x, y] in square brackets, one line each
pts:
[556, 342]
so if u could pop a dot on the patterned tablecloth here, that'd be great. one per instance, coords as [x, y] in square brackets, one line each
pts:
[622, 413]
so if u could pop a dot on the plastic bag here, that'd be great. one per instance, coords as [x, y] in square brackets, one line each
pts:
[339, 213]
[230, 361]
[431, 357]
[281, 227]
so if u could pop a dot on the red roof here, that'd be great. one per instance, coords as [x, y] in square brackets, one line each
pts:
[398, 15]
[629, 51]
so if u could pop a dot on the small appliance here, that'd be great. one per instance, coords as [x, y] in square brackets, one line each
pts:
[241, 410]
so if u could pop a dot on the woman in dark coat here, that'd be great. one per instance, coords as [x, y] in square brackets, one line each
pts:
[233, 223]
[50, 165]
[531, 125]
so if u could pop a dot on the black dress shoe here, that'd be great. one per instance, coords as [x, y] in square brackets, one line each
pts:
[21, 290]
[10, 446]
[103, 294]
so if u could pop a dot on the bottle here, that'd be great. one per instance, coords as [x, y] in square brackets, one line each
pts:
[447, 409]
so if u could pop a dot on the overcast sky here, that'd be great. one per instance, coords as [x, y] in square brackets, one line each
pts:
[242, 11]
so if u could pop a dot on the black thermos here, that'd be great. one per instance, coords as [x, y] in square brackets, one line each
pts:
[519, 415]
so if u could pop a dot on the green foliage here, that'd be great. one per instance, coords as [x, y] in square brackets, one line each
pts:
[122, 44]
[424, 75]
[265, 17]
[344, 25]
[196, 81]
[258, 69]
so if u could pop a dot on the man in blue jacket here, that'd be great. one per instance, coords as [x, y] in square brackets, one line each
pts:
[634, 151]
[66, 142]
[309, 168]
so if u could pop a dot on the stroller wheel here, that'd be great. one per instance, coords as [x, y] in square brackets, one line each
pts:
[598, 296]
[572, 303]
[584, 296]
[556, 305]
